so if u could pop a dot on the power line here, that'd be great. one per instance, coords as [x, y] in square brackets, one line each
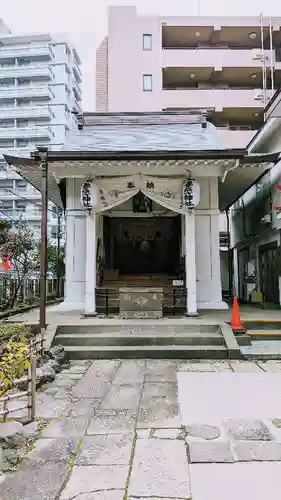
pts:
[28, 200]
[15, 222]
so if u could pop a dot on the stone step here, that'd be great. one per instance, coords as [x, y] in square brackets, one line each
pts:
[140, 327]
[117, 339]
[167, 287]
[263, 324]
[147, 351]
[264, 334]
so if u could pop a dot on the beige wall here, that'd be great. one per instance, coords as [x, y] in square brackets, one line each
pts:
[211, 98]
[121, 63]
[216, 58]
[127, 61]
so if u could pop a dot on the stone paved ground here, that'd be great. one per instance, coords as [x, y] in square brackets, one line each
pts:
[115, 432]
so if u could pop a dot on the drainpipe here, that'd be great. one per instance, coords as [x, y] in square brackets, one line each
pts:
[229, 256]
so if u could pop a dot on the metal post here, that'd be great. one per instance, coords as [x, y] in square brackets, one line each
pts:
[174, 301]
[32, 388]
[58, 254]
[106, 302]
[263, 63]
[43, 155]
[271, 57]
[229, 255]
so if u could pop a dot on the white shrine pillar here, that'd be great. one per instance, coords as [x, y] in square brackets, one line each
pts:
[182, 250]
[190, 264]
[91, 265]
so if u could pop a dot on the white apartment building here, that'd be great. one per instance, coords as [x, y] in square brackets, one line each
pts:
[40, 87]
[229, 66]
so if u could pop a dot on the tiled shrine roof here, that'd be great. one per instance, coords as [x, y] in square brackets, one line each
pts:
[144, 132]
[108, 143]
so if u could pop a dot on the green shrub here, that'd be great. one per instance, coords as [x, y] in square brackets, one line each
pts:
[52, 295]
[12, 330]
[14, 363]
[30, 300]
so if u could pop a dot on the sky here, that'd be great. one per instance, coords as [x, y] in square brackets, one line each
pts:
[85, 22]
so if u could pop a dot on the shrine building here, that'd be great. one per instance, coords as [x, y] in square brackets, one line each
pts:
[142, 194]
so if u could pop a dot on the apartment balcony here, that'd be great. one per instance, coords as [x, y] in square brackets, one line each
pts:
[19, 214]
[215, 58]
[26, 92]
[22, 151]
[8, 172]
[77, 72]
[218, 99]
[234, 31]
[26, 112]
[28, 71]
[235, 139]
[77, 90]
[26, 133]
[34, 52]
[29, 193]
[14, 193]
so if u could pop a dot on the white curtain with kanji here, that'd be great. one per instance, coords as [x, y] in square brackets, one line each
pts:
[107, 193]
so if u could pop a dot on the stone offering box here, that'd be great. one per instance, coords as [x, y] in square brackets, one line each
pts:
[141, 303]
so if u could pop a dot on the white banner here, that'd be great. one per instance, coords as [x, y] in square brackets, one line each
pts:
[107, 193]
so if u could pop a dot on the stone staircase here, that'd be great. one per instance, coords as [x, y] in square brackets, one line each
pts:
[263, 329]
[141, 340]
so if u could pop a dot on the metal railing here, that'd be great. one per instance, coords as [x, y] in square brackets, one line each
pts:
[27, 291]
[174, 301]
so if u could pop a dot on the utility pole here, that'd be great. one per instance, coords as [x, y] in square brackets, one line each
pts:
[42, 155]
[58, 253]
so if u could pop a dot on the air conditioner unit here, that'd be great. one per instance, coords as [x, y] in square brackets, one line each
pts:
[266, 219]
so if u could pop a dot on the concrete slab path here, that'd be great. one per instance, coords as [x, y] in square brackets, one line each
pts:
[58, 317]
[145, 429]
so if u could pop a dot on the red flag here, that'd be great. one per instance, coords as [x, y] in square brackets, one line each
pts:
[7, 265]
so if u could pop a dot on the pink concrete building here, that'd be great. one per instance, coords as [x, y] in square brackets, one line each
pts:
[229, 66]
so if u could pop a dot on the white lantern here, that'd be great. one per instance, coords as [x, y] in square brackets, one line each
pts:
[95, 194]
[191, 193]
[196, 193]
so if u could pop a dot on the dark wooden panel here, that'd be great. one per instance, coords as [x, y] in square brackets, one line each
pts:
[268, 272]
[143, 245]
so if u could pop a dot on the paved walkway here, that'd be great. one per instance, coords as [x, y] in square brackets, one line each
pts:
[119, 430]
[57, 317]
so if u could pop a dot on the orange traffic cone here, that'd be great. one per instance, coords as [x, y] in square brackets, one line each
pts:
[236, 323]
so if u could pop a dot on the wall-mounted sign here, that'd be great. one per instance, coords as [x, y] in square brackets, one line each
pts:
[178, 283]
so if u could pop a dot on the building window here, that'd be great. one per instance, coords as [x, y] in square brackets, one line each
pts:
[22, 123]
[22, 143]
[147, 83]
[146, 42]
